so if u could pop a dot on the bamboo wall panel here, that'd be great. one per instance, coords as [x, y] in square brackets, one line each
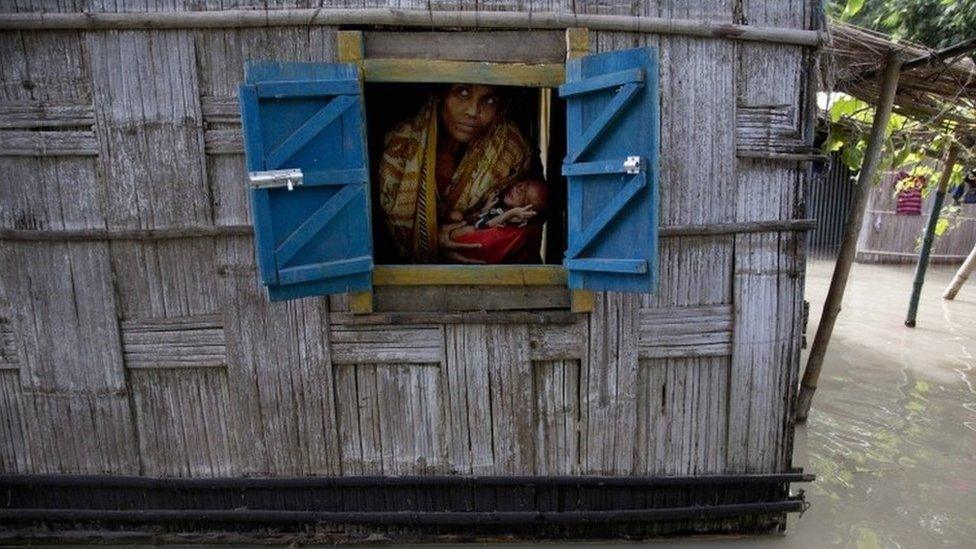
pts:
[489, 402]
[187, 342]
[608, 386]
[44, 66]
[387, 344]
[181, 415]
[64, 315]
[887, 237]
[391, 419]
[35, 114]
[279, 373]
[768, 280]
[685, 332]
[166, 278]
[79, 432]
[8, 346]
[693, 270]
[620, 391]
[557, 413]
[53, 193]
[682, 421]
[793, 14]
[765, 351]
[14, 454]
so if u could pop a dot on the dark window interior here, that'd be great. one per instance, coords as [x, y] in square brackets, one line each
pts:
[389, 104]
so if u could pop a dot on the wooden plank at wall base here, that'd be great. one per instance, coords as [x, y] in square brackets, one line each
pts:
[281, 411]
[557, 416]
[608, 386]
[391, 419]
[181, 415]
[681, 420]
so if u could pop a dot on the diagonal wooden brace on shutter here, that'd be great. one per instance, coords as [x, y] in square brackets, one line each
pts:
[327, 115]
[628, 82]
[603, 219]
[315, 223]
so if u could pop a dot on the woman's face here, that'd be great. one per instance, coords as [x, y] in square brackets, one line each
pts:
[467, 110]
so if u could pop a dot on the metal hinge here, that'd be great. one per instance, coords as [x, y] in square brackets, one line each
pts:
[276, 178]
[632, 164]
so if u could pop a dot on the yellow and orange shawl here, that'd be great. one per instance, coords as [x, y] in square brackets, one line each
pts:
[408, 188]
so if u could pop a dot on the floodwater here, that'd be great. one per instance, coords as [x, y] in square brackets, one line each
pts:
[892, 432]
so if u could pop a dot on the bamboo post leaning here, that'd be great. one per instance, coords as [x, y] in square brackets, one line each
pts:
[923, 256]
[842, 270]
[962, 275]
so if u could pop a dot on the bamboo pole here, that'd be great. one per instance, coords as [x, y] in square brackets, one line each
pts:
[961, 275]
[92, 235]
[428, 19]
[842, 270]
[923, 256]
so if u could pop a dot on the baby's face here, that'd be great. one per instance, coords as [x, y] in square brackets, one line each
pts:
[524, 193]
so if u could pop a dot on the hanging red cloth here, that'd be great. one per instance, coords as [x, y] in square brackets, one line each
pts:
[909, 194]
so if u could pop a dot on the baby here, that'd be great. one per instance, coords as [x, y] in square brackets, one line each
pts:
[514, 206]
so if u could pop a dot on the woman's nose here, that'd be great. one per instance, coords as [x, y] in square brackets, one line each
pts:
[472, 109]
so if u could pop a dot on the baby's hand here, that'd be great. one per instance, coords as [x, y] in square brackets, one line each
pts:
[521, 214]
[455, 216]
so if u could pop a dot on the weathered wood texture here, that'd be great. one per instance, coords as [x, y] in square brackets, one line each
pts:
[164, 357]
[887, 237]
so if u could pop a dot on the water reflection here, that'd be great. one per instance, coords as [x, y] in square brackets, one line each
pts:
[891, 432]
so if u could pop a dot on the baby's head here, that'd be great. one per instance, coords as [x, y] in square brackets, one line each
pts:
[527, 192]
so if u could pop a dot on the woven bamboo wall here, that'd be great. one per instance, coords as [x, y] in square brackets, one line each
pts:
[150, 355]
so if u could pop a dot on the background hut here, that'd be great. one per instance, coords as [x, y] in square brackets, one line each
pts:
[136, 339]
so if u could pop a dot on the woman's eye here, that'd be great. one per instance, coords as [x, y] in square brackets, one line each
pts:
[463, 92]
[491, 101]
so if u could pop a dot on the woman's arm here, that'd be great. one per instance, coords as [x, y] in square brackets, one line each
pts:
[450, 249]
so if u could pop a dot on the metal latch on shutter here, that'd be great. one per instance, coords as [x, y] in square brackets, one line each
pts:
[276, 178]
[632, 164]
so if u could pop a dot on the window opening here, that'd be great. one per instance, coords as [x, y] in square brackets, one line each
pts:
[399, 119]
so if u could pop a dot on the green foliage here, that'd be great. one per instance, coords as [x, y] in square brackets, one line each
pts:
[934, 23]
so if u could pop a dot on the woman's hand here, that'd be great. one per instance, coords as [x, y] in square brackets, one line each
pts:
[449, 248]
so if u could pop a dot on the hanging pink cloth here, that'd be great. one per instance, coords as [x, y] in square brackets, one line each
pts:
[910, 195]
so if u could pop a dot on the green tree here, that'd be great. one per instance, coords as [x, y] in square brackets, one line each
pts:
[933, 23]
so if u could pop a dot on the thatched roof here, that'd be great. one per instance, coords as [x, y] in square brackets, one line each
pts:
[941, 92]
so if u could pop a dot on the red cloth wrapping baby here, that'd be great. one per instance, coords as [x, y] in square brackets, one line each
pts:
[505, 244]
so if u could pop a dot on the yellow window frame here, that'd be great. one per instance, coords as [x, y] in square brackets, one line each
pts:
[544, 75]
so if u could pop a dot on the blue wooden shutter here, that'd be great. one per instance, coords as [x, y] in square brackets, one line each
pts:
[613, 135]
[312, 238]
